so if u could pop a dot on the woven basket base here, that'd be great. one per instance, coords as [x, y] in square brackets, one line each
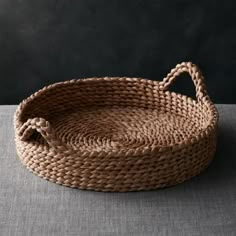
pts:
[109, 128]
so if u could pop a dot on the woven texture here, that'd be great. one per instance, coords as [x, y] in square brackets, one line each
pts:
[117, 134]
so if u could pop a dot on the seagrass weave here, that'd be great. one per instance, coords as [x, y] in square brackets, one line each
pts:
[117, 134]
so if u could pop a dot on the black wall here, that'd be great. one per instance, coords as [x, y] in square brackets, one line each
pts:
[45, 41]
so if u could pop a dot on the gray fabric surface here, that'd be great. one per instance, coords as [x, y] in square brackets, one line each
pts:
[205, 205]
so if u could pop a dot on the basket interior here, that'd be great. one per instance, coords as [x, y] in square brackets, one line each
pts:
[117, 114]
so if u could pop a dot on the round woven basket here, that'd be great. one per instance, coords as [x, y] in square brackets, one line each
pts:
[117, 134]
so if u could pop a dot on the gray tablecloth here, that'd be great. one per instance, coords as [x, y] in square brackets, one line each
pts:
[205, 205]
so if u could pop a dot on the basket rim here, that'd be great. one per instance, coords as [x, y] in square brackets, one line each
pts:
[132, 151]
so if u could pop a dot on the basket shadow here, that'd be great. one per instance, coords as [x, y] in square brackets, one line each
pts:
[221, 172]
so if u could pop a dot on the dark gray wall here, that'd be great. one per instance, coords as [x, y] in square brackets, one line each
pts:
[45, 41]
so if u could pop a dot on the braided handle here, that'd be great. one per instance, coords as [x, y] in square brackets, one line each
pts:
[194, 72]
[43, 127]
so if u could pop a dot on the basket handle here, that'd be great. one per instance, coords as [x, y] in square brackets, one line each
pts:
[43, 127]
[194, 72]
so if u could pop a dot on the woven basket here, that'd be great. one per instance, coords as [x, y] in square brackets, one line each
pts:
[117, 134]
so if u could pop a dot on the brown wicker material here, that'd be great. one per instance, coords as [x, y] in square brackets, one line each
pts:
[117, 134]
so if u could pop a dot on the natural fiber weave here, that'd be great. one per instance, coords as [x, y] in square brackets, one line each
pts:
[117, 134]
